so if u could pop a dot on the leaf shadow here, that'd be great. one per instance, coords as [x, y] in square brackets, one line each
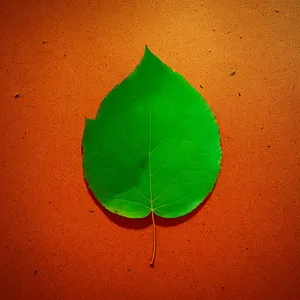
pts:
[147, 221]
[119, 220]
[168, 222]
[142, 223]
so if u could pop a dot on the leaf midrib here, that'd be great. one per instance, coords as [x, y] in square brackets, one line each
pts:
[149, 155]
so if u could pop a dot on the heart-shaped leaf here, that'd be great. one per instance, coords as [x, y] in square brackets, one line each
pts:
[154, 146]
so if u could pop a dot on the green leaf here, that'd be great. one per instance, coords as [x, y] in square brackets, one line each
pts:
[154, 146]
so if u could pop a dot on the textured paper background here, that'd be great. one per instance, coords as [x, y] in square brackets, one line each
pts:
[63, 58]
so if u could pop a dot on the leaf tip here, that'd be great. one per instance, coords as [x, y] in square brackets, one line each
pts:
[147, 50]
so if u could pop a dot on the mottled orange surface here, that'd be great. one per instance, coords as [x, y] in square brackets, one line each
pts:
[62, 58]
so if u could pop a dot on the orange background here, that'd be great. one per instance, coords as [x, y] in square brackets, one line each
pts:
[63, 57]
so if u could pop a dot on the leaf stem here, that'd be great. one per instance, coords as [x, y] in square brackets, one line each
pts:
[154, 241]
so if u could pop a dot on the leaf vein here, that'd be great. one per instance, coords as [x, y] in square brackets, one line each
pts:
[133, 185]
[179, 172]
[132, 137]
[181, 199]
[131, 202]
